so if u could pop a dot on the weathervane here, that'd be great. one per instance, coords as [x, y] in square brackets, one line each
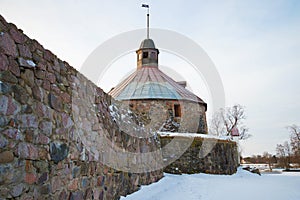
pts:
[147, 6]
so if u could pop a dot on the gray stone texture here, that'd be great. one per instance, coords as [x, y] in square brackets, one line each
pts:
[212, 156]
[160, 115]
[48, 113]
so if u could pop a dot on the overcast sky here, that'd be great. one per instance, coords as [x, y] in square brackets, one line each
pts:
[255, 46]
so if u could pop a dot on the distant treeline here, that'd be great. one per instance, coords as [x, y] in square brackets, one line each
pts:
[287, 154]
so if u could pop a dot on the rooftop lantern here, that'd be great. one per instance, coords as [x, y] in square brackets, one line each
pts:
[147, 54]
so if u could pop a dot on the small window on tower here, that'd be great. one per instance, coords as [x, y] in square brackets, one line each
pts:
[153, 55]
[145, 54]
[177, 110]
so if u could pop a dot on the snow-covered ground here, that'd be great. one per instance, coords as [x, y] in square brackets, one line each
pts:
[242, 185]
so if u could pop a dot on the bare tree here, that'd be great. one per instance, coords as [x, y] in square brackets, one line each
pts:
[268, 159]
[295, 141]
[217, 125]
[281, 155]
[295, 138]
[284, 154]
[287, 149]
[230, 122]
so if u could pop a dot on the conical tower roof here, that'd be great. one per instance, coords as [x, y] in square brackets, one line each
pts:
[151, 83]
[148, 82]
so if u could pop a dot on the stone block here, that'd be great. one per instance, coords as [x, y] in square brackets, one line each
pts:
[42, 139]
[66, 120]
[20, 94]
[24, 51]
[48, 55]
[3, 62]
[13, 133]
[14, 67]
[3, 104]
[46, 85]
[58, 151]
[7, 173]
[28, 121]
[85, 183]
[13, 107]
[66, 97]
[40, 74]
[46, 127]
[76, 172]
[3, 141]
[45, 189]
[28, 77]
[28, 151]
[18, 36]
[42, 65]
[29, 135]
[43, 111]
[88, 193]
[38, 93]
[30, 178]
[44, 154]
[8, 45]
[73, 185]
[17, 190]
[100, 181]
[76, 195]
[7, 76]
[54, 102]
[63, 195]
[6, 157]
[50, 77]
[29, 168]
[56, 65]
[27, 63]
[5, 88]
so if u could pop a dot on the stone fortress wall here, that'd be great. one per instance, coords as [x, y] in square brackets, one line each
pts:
[49, 113]
[204, 155]
[58, 130]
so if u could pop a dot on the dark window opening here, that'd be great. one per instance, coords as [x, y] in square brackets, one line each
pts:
[177, 110]
[145, 54]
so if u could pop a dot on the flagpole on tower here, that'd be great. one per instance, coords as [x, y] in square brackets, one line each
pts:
[147, 6]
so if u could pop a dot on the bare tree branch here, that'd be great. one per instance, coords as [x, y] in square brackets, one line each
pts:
[228, 119]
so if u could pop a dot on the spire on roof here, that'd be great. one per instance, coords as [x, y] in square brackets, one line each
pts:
[147, 6]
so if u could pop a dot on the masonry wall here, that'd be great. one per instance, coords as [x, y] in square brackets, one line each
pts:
[160, 115]
[57, 135]
[204, 155]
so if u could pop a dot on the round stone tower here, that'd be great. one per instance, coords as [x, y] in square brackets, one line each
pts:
[162, 103]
